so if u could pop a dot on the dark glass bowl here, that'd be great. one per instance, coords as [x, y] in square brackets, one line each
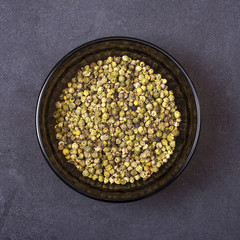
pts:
[161, 62]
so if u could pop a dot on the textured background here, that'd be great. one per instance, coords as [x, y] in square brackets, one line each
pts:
[203, 203]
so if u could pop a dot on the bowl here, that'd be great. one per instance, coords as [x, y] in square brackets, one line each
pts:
[185, 97]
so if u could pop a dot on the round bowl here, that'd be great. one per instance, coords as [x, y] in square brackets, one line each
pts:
[178, 81]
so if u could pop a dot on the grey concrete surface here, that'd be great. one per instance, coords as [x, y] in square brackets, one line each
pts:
[203, 203]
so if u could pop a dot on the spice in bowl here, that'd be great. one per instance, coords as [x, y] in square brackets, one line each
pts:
[117, 121]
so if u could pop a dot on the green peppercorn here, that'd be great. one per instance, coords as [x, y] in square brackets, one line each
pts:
[125, 119]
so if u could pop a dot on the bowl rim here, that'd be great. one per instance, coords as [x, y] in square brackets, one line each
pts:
[99, 40]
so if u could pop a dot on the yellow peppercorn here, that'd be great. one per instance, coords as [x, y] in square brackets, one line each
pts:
[164, 142]
[177, 114]
[77, 132]
[139, 90]
[65, 151]
[136, 102]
